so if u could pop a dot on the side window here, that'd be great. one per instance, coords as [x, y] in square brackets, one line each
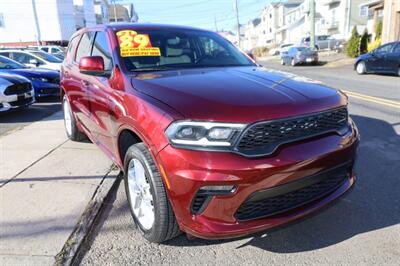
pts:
[211, 48]
[45, 49]
[101, 48]
[397, 49]
[25, 58]
[384, 49]
[6, 54]
[54, 50]
[84, 46]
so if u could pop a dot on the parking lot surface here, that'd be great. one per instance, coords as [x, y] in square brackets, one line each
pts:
[22, 117]
[361, 228]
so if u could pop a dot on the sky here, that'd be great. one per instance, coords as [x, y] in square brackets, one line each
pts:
[198, 13]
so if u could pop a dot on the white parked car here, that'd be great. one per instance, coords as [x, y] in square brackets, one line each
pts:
[33, 58]
[15, 92]
[280, 49]
[51, 49]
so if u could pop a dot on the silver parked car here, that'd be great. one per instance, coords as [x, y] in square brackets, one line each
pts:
[323, 42]
[15, 92]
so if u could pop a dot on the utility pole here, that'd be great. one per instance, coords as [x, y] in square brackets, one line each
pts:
[115, 12]
[238, 23]
[215, 23]
[312, 24]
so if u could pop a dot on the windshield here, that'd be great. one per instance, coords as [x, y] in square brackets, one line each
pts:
[304, 49]
[153, 50]
[6, 63]
[46, 56]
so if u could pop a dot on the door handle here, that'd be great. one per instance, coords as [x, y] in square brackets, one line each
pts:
[85, 83]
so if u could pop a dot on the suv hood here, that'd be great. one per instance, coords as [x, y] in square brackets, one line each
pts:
[237, 94]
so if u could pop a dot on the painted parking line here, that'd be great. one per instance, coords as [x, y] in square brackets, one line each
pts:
[390, 103]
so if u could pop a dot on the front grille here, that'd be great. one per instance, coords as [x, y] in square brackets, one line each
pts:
[21, 102]
[18, 88]
[292, 195]
[55, 80]
[49, 90]
[264, 137]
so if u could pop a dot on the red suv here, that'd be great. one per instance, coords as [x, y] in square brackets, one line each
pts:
[210, 143]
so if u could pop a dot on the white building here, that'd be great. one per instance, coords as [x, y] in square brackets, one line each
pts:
[251, 34]
[31, 22]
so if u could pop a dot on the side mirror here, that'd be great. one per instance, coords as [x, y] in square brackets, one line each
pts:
[92, 65]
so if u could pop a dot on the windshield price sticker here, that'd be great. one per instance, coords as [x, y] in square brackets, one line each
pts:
[133, 44]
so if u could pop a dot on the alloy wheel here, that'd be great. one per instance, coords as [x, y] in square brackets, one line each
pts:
[360, 68]
[141, 198]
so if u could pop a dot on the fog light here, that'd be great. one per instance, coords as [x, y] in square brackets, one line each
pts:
[217, 190]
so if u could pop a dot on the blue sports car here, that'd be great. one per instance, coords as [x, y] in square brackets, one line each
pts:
[45, 82]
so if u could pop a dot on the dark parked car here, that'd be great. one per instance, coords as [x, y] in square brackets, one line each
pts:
[384, 59]
[15, 92]
[45, 82]
[210, 143]
[299, 55]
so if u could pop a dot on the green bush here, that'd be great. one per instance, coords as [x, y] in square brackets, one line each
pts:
[378, 30]
[364, 42]
[353, 46]
[373, 45]
[260, 51]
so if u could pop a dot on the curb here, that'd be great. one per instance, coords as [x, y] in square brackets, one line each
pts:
[86, 223]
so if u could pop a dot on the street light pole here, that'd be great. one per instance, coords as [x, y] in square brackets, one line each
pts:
[238, 23]
[312, 24]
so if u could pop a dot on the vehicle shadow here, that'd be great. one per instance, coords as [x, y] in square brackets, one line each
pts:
[374, 203]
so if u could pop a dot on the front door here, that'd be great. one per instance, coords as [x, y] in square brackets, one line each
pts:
[78, 82]
[100, 90]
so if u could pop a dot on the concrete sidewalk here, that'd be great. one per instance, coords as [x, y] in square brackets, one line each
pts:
[46, 184]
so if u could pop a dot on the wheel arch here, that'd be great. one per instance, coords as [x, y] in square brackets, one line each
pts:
[126, 138]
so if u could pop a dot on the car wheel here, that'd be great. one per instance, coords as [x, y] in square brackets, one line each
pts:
[293, 62]
[282, 62]
[360, 68]
[148, 200]
[71, 128]
[398, 72]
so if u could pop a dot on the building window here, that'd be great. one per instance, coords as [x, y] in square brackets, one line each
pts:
[363, 11]
[1, 20]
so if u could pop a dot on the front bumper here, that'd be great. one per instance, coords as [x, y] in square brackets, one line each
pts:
[186, 171]
[46, 89]
[10, 102]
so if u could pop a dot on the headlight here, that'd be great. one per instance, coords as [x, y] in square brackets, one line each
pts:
[39, 79]
[203, 134]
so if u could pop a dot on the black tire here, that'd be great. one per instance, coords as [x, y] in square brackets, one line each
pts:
[398, 71]
[73, 134]
[165, 226]
[361, 68]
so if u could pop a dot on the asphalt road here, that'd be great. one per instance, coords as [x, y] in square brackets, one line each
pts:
[42, 108]
[361, 228]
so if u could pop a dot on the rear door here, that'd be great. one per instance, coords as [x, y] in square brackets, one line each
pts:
[100, 91]
[393, 59]
[78, 83]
